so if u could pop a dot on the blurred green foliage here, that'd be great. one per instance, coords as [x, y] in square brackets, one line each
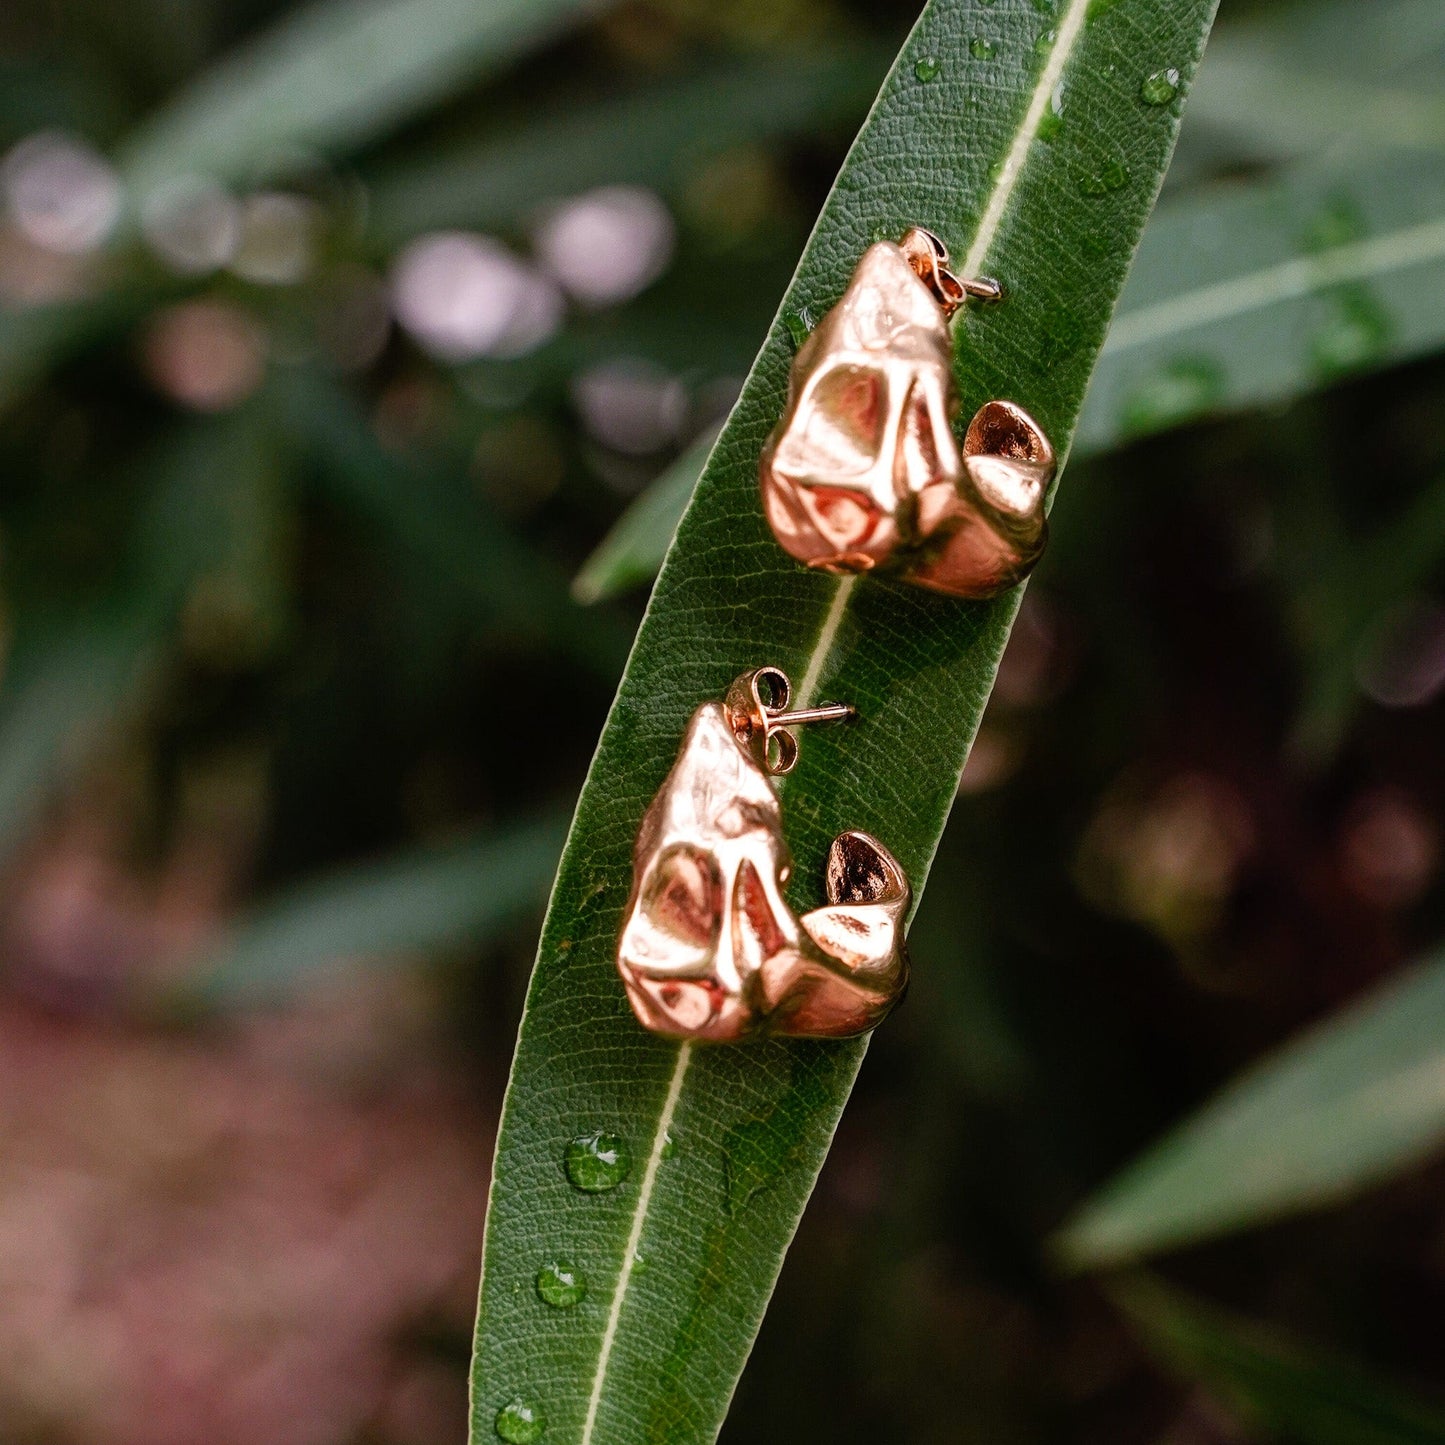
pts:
[267, 515]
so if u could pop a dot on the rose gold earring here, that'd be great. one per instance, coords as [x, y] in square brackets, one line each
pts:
[863, 473]
[710, 951]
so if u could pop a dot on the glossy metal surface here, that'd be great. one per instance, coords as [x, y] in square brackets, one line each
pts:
[863, 471]
[710, 950]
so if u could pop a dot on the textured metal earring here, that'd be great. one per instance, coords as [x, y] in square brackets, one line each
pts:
[863, 472]
[710, 950]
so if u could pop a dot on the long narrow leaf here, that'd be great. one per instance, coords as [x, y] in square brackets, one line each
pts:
[433, 518]
[725, 1144]
[1272, 1381]
[64, 684]
[405, 905]
[1293, 80]
[337, 74]
[654, 137]
[67, 679]
[629, 555]
[1252, 296]
[1348, 1104]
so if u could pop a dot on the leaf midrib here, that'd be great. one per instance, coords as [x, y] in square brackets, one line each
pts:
[1294, 279]
[1070, 28]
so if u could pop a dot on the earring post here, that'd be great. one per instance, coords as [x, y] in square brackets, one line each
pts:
[826, 712]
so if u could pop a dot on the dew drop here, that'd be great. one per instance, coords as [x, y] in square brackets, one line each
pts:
[981, 47]
[561, 1285]
[639, 1264]
[1179, 392]
[927, 68]
[1354, 336]
[1159, 88]
[1053, 118]
[669, 1146]
[800, 324]
[1111, 176]
[597, 1162]
[519, 1423]
[750, 1161]
[1045, 42]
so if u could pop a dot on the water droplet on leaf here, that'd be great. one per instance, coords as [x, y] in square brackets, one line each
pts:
[1053, 118]
[1159, 88]
[1045, 42]
[597, 1162]
[1182, 390]
[981, 47]
[750, 1161]
[1110, 176]
[800, 322]
[927, 68]
[669, 1146]
[561, 1285]
[519, 1423]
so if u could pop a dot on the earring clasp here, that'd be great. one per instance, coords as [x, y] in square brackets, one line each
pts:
[928, 257]
[757, 711]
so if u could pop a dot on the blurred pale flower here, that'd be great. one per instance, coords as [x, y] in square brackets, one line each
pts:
[60, 193]
[464, 296]
[608, 244]
[631, 405]
[193, 225]
[207, 355]
[278, 238]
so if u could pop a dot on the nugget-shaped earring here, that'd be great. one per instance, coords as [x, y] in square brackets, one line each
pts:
[863, 472]
[710, 950]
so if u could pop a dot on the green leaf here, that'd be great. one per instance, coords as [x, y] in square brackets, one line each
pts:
[1251, 296]
[1349, 1103]
[631, 552]
[34, 339]
[67, 679]
[330, 78]
[1270, 1380]
[408, 904]
[1344, 591]
[1241, 297]
[64, 683]
[437, 524]
[1294, 80]
[725, 1144]
[657, 136]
